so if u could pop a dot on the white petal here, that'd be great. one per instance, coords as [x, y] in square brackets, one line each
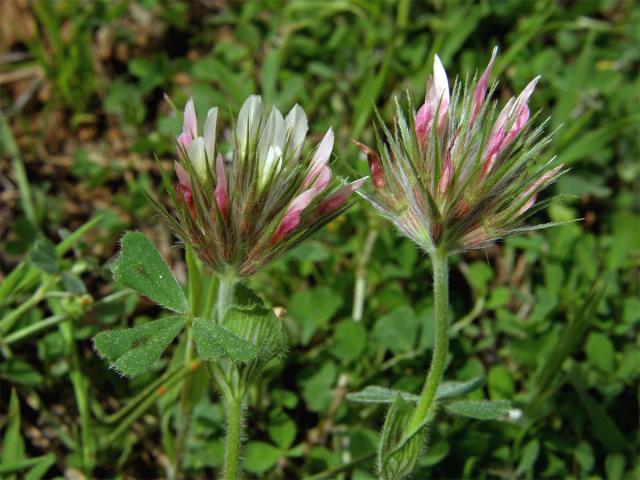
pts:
[296, 125]
[273, 134]
[272, 162]
[197, 158]
[249, 120]
[210, 133]
[440, 81]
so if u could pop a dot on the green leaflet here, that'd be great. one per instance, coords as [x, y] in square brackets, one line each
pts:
[377, 394]
[260, 327]
[43, 256]
[247, 332]
[141, 267]
[214, 341]
[245, 299]
[455, 389]
[12, 449]
[480, 409]
[133, 351]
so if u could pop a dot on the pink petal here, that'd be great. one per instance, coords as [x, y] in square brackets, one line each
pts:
[423, 123]
[493, 149]
[190, 125]
[183, 176]
[480, 92]
[322, 180]
[375, 164]
[291, 218]
[500, 139]
[320, 159]
[183, 189]
[445, 177]
[185, 139]
[222, 196]
[184, 195]
[528, 205]
[538, 185]
[337, 199]
[518, 124]
[523, 98]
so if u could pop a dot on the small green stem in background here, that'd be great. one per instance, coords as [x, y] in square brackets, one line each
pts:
[212, 295]
[233, 441]
[32, 329]
[361, 275]
[81, 392]
[9, 320]
[440, 350]
[333, 472]
[8, 141]
[185, 405]
[140, 408]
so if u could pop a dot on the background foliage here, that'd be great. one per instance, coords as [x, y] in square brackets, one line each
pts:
[550, 318]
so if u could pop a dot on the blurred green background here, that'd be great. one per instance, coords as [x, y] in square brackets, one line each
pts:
[551, 318]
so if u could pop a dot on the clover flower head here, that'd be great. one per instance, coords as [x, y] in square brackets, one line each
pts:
[455, 175]
[245, 207]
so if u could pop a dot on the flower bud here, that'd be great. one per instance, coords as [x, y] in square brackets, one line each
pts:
[480, 92]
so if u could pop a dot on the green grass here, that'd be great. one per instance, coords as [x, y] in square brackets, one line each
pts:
[550, 318]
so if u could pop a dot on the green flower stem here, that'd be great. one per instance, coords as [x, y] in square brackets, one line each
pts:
[232, 390]
[226, 285]
[235, 422]
[440, 350]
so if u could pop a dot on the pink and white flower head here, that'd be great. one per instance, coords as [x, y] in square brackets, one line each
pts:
[243, 207]
[455, 175]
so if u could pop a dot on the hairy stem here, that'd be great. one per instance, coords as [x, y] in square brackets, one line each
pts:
[233, 393]
[440, 350]
[235, 423]
[226, 285]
